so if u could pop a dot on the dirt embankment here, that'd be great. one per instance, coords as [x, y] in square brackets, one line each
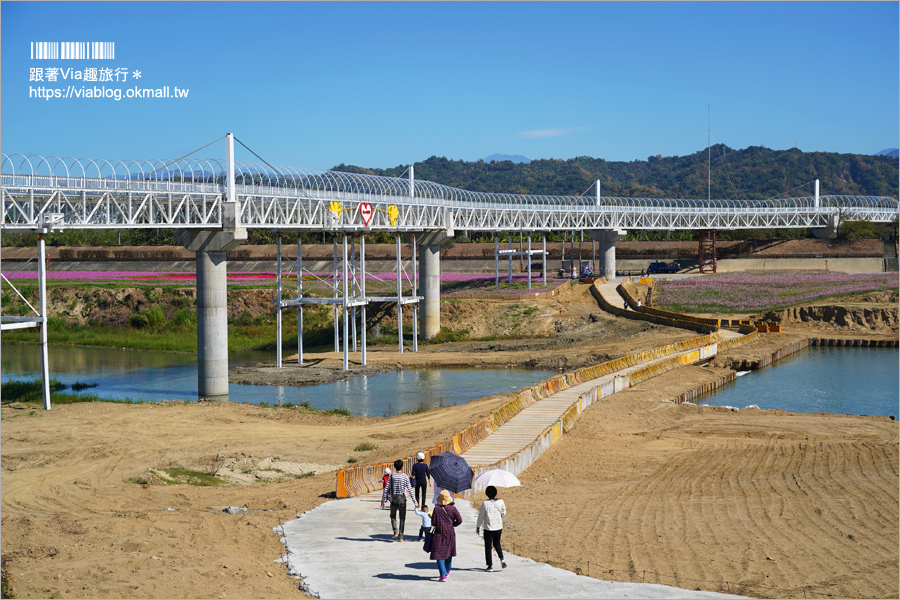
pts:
[85, 305]
[874, 313]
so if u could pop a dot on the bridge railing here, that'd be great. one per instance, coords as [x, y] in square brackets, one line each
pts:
[265, 205]
[77, 184]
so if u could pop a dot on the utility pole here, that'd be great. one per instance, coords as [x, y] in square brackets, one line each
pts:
[708, 155]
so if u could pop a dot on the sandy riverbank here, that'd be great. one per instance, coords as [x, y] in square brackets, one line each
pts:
[784, 504]
[642, 489]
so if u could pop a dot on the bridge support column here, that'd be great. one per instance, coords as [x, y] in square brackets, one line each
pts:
[830, 231]
[212, 305]
[606, 248]
[430, 280]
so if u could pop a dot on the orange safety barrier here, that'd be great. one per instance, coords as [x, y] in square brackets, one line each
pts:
[351, 481]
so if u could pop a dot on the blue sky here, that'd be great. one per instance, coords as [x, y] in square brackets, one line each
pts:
[379, 84]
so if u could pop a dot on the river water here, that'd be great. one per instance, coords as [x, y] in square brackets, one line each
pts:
[818, 379]
[155, 376]
[854, 381]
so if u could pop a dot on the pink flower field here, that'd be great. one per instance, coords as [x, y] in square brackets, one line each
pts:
[124, 276]
[476, 285]
[751, 291]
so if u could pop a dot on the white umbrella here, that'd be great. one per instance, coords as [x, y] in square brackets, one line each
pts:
[498, 478]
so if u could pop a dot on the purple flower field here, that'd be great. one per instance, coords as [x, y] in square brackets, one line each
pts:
[474, 285]
[461, 285]
[751, 291]
[121, 276]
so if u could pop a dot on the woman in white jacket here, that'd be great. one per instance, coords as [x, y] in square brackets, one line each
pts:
[491, 516]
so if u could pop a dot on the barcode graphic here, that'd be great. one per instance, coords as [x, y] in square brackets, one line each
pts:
[73, 50]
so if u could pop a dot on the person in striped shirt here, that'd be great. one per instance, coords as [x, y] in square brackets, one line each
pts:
[396, 490]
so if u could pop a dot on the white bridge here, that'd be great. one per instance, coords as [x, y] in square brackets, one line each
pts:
[211, 204]
[191, 194]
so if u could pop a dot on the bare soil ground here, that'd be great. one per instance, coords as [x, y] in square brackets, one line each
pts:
[563, 332]
[783, 504]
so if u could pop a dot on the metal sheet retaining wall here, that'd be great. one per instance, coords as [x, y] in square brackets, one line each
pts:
[645, 316]
[351, 481]
[522, 460]
[854, 343]
[765, 361]
[705, 388]
[626, 289]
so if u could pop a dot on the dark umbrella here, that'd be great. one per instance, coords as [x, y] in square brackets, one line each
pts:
[451, 472]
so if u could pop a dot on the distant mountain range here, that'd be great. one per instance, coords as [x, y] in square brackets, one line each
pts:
[895, 152]
[516, 158]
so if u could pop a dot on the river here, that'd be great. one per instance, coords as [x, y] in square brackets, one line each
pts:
[861, 381]
[155, 376]
[853, 381]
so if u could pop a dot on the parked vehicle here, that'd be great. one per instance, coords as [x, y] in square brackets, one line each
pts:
[659, 266]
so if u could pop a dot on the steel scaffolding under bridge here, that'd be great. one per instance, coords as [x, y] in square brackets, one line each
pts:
[348, 292]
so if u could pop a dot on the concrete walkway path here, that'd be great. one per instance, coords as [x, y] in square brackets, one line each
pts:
[343, 548]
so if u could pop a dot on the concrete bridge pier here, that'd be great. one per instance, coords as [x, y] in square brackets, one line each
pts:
[830, 231]
[212, 304]
[430, 281]
[606, 249]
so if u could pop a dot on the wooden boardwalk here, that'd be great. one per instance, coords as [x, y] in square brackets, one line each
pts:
[525, 427]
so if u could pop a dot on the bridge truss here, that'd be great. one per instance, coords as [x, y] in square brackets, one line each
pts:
[190, 194]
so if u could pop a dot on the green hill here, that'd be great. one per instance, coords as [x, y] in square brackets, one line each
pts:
[752, 173]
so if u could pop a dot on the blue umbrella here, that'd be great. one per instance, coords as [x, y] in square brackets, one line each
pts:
[451, 472]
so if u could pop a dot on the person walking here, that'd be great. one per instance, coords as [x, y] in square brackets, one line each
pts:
[491, 516]
[384, 480]
[444, 518]
[397, 488]
[421, 476]
[426, 520]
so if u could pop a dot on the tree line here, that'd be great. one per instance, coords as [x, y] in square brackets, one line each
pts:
[754, 173]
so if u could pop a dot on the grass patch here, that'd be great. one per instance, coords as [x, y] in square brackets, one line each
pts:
[182, 337]
[351, 460]
[140, 480]
[31, 392]
[180, 475]
[365, 447]
[449, 335]
[4, 581]
[114, 337]
[306, 406]
[28, 391]
[421, 407]
[78, 386]
[335, 412]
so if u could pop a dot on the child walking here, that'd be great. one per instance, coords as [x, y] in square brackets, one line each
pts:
[426, 521]
[384, 479]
